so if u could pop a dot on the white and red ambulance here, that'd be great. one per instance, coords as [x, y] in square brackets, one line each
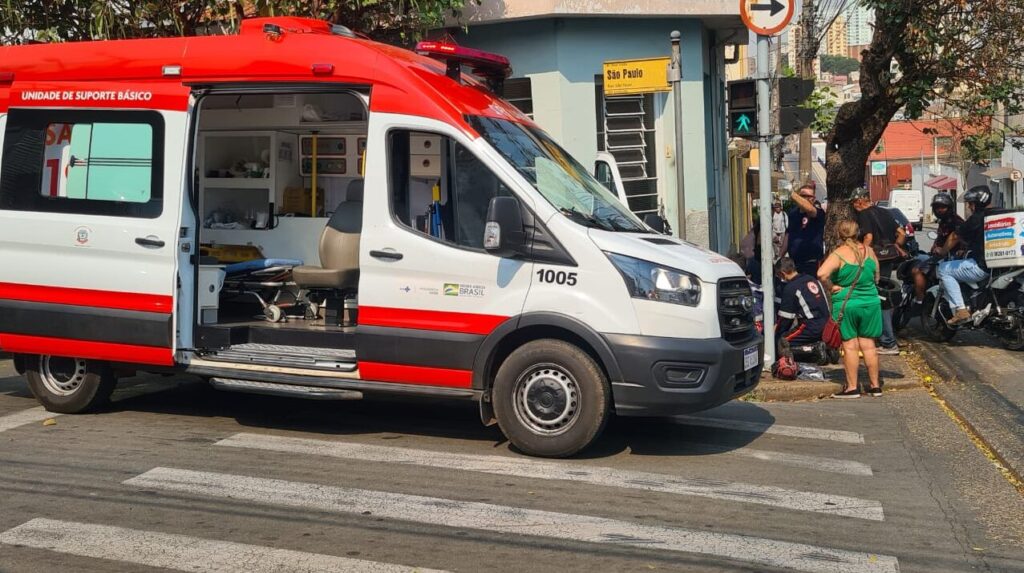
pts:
[297, 211]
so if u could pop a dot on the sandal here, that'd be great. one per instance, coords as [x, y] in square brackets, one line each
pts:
[854, 393]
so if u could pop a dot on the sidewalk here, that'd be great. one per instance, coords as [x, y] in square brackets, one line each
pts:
[896, 373]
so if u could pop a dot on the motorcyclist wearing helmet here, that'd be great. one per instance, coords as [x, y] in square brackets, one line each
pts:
[971, 269]
[944, 211]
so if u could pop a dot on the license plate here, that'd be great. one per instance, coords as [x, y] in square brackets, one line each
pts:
[750, 357]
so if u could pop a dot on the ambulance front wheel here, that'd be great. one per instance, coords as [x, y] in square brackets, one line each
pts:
[551, 399]
[69, 385]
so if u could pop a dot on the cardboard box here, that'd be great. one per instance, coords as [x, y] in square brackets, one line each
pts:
[299, 201]
[1004, 240]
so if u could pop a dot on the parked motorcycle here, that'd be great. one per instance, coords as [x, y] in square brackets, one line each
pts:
[996, 305]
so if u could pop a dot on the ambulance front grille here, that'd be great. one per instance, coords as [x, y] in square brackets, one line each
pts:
[329, 359]
[737, 322]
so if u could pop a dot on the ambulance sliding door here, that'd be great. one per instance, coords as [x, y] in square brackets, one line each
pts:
[90, 207]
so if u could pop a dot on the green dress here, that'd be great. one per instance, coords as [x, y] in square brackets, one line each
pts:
[863, 316]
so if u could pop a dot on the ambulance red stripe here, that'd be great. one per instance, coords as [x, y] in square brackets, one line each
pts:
[425, 375]
[24, 344]
[464, 322]
[163, 304]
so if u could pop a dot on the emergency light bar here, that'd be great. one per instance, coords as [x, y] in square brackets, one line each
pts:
[492, 67]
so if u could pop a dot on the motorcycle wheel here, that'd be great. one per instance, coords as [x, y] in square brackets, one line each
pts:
[901, 316]
[1014, 340]
[932, 321]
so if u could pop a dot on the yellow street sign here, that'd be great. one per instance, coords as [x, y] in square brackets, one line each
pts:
[625, 77]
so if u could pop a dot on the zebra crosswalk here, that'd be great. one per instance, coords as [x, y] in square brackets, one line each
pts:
[257, 484]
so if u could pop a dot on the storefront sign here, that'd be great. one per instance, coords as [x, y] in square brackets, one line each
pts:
[878, 168]
[625, 77]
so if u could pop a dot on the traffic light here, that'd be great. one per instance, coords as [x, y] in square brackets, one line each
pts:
[793, 92]
[743, 109]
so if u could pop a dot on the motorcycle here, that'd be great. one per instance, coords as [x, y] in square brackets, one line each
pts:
[903, 305]
[996, 305]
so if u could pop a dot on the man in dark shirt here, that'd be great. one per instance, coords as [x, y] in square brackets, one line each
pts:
[879, 229]
[946, 241]
[805, 237]
[971, 269]
[804, 309]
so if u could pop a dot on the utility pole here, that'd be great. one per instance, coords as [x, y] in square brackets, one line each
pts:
[804, 68]
[765, 195]
[675, 73]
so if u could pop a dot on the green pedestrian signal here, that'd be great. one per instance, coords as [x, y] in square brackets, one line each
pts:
[742, 96]
[743, 123]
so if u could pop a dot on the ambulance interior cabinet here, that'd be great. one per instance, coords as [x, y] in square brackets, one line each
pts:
[239, 178]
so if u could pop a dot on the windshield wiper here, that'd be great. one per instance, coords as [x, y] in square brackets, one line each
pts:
[587, 220]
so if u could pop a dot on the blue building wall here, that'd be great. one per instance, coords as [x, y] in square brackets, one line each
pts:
[562, 56]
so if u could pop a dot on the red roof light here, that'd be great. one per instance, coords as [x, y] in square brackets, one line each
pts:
[492, 67]
[6, 77]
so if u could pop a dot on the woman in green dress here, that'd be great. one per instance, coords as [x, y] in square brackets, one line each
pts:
[852, 270]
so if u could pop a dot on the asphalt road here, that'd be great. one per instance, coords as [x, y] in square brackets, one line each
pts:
[176, 475]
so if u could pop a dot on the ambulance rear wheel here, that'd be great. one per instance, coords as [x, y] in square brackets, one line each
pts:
[69, 385]
[551, 399]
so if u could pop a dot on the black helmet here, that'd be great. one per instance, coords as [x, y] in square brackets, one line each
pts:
[979, 194]
[942, 200]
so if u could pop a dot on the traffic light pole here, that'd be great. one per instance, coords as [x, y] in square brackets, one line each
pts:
[765, 198]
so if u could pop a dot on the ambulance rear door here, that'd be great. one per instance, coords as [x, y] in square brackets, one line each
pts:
[91, 180]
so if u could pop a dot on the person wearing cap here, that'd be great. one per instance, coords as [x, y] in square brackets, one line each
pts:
[879, 229]
[804, 241]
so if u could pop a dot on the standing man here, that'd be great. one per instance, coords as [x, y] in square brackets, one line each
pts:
[805, 236]
[971, 269]
[880, 231]
[780, 222]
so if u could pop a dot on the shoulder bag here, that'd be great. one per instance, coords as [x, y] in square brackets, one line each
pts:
[832, 336]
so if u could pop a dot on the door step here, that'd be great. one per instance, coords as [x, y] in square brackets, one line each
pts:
[291, 390]
[327, 359]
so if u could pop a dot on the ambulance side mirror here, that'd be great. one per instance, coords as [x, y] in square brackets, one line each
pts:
[504, 234]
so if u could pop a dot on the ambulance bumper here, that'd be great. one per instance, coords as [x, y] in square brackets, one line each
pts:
[666, 376]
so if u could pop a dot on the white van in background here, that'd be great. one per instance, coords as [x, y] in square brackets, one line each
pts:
[909, 202]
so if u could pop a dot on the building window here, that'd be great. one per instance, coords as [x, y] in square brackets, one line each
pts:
[439, 188]
[519, 92]
[83, 162]
[625, 128]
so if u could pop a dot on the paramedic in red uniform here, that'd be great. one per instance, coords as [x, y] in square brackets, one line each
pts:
[804, 309]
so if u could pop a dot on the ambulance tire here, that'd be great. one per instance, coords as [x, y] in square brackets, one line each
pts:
[551, 399]
[69, 385]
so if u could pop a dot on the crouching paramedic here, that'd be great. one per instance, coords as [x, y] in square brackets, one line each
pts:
[804, 309]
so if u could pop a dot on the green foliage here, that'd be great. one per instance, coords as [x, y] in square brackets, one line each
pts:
[840, 65]
[962, 59]
[823, 102]
[787, 71]
[399, 21]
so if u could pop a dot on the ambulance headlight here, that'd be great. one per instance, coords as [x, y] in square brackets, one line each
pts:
[649, 281]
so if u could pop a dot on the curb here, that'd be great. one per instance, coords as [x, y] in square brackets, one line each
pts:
[896, 375]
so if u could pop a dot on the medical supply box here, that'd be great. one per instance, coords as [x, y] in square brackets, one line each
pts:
[1004, 240]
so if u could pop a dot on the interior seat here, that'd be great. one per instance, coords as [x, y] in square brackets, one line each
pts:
[339, 247]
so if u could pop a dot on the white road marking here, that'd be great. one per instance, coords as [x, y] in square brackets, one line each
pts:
[760, 428]
[512, 520]
[23, 417]
[552, 470]
[180, 552]
[832, 465]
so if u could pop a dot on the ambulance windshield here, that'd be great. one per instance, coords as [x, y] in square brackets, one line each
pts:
[556, 175]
